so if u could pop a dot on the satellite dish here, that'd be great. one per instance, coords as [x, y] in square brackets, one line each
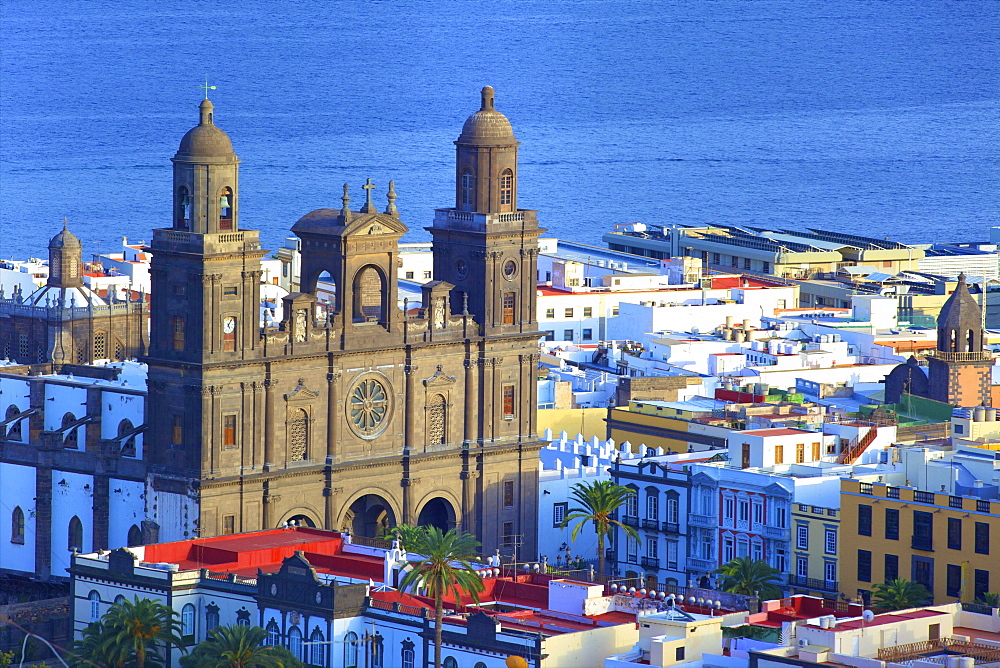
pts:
[868, 615]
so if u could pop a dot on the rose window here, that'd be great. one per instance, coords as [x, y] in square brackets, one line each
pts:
[368, 407]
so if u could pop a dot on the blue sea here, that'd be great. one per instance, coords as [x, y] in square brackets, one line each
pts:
[872, 117]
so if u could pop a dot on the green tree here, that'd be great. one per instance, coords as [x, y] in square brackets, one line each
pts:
[750, 577]
[445, 569]
[131, 633]
[899, 594]
[238, 647]
[408, 534]
[598, 500]
[991, 599]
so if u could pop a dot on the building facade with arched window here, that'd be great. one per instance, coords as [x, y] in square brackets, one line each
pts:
[311, 412]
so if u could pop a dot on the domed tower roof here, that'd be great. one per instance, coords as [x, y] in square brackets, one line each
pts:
[206, 140]
[960, 322]
[65, 239]
[487, 126]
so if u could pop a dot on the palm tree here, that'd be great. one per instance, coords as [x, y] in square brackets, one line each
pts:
[598, 500]
[133, 633]
[445, 569]
[750, 577]
[900, 594]
[991, 599]
[408, 534]
[238, 647]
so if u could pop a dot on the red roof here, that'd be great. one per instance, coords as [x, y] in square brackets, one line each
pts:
[888, 618]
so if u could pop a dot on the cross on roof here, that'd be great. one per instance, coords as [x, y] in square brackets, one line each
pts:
[368, 188]
[206, 87]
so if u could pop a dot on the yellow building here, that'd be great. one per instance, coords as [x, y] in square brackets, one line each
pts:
[665, 424]
[950, 544]
[815, 543]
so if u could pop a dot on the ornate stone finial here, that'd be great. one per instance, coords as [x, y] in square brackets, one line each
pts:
[368, 188]
[66, 225]
[206, 87]
[487, 94]
[465, 303]
[346, 199]
[391, 196]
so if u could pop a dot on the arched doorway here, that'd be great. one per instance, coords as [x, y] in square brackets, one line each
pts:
[369, 516]
[302, 521]
[437, 512]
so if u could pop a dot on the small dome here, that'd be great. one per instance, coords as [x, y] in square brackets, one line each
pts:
[320, 221]
[487, 123]
[65, 239]
[206, 140]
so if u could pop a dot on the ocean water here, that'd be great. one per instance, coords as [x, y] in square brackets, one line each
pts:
[870, 117]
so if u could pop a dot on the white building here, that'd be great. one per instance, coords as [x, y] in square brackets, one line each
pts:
[95, 493]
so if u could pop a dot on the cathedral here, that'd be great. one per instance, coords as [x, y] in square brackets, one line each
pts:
[355, 414]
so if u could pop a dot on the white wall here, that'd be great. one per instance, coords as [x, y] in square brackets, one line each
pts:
[72, 494]
[16, 392]
[17, 488]
[116, 407]
[175, 513]
[126, 506]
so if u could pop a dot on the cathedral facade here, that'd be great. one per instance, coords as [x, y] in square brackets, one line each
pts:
[353, 413]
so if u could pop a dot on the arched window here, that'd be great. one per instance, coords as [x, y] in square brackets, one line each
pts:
[127, 444]
[632, 503]
[479, 664]
[75, 541]
[273, 634]
[17, 526]
[134, 536]
[14, 428]
[351, 650]
[672, 509]
[226, 209]
[69, 437]
[450, 662]
[119, 349]
[182, 215]
[378, 650]
[95, 606]
[436, 414]
[211, 617]
[468, 184]
[187, 621]
[298, 435]
[100, 346]
[368, 295]
[119, 599]
[316, 653]
[242, 617]
[506, 189]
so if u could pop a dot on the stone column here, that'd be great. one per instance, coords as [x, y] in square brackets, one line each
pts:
[471, 400]
[410, 428]
[43, 522]
[332, 416]
[269, 386]
[101, 518]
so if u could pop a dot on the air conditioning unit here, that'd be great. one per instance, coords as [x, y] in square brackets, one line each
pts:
[803, 642]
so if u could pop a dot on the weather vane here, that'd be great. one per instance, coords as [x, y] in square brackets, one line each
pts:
[206, 87]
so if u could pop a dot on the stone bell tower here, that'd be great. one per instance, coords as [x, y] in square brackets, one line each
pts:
[960, 369]
[485, 246]
[205, 315]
